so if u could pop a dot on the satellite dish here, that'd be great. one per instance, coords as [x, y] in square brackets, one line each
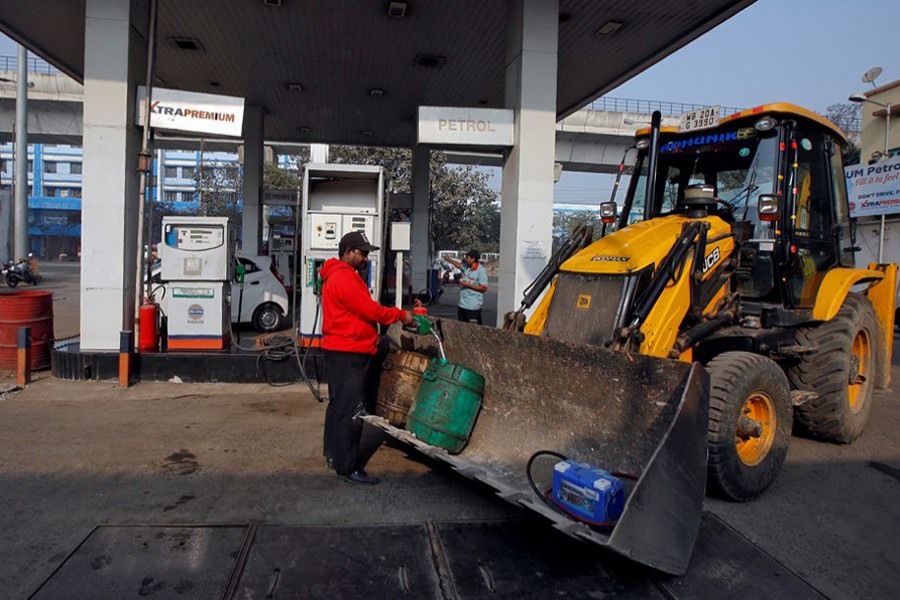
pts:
[871, 75]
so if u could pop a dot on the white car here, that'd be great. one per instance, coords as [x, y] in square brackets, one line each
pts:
[265, 301]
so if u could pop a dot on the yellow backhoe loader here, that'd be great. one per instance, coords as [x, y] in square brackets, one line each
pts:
[723, 310]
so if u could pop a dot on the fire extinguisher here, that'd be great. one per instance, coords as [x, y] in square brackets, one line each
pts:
[148, 325]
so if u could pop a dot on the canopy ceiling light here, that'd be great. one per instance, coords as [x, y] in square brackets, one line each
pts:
[609, 28]
[185, 43]
[397, 10]
[430, 61]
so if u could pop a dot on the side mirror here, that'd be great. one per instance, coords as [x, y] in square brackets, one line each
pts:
[608, 212]
[769, 208]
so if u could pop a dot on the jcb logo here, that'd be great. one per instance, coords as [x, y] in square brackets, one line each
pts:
[584, 302]
[711, 259]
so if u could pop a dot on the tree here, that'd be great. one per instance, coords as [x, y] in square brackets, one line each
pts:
[465, 211]
[846, 116]
[220, 188]
[565, 222]
[276, 177]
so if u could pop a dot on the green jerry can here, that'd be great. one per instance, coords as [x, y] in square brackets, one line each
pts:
[446, 405]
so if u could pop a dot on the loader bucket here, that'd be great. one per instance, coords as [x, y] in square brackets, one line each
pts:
[621, 412]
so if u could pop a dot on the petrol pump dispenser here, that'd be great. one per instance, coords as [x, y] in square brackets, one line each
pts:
[337, 199]
[197, 265]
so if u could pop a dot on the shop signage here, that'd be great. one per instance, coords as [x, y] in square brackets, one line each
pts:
[874, 189]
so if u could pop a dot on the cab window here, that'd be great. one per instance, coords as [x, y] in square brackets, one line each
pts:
[813, 217]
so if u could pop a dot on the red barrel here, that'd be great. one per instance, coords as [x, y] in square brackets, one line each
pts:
[32, 308]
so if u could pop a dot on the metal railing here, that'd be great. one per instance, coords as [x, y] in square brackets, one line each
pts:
[35, 65]
[646, 107]
[672, 109]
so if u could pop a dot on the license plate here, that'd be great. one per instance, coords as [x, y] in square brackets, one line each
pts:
[702, 118]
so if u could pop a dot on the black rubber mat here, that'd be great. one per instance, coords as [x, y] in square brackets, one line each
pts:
[339, 562]
[147, 562]
[509, 559]
[727, 565]
[528, 559]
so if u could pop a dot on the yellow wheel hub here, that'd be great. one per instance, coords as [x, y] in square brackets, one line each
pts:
[755, 431]
[860, 363]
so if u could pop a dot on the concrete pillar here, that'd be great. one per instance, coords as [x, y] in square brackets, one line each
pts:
[318, 153]
[20, 219]
[115, 54]
[526, 230]
[420, 259]
[251, 225]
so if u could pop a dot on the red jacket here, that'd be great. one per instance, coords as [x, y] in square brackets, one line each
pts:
[348, 312]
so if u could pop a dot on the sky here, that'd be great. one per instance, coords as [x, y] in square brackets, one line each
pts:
[807, 52]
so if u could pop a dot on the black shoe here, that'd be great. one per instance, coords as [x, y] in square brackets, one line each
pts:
[359, 476]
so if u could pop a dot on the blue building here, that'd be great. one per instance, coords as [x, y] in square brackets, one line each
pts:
[55, 190]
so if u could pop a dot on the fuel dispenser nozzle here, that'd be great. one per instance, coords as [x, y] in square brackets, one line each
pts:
[422, 325]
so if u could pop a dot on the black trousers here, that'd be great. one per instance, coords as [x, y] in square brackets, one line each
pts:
[465, 315]
[351, 389]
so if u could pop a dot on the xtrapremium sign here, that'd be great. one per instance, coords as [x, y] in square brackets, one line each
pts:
[454, 126]
[874, 189]
[190, 111]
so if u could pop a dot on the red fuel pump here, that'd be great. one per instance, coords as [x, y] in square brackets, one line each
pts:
[148, 325]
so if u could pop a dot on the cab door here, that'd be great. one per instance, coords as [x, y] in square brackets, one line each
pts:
[844, 233]
[813, 249]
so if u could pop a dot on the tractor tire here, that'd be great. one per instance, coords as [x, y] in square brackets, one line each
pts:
[845, 350]
[749, 424]
[267, 317]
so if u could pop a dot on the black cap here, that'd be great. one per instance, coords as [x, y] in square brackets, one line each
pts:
[356, 240]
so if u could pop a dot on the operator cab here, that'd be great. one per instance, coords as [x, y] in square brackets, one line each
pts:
[779, 156]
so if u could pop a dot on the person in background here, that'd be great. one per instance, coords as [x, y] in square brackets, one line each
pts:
[350, 339]
[472, 286]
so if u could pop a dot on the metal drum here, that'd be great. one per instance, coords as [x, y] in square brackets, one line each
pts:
[31, 308]
[400, 379]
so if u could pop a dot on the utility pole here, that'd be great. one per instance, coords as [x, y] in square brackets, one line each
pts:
[20, 212]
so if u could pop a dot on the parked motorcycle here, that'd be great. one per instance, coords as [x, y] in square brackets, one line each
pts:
[18, 272]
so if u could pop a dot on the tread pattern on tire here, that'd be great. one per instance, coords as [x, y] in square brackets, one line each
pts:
[726, 370]
[828, 417]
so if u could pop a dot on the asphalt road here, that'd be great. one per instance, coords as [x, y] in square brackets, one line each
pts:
[77, 454]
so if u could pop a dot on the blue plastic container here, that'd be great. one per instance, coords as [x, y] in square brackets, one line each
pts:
[588, 492]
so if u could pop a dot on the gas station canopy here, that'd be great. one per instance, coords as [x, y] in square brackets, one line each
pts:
[356, 72]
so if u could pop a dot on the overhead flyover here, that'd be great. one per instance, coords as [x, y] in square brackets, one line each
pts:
[353, 72]
[589, 139]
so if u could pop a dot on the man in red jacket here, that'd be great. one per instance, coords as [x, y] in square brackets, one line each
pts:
[350, 340]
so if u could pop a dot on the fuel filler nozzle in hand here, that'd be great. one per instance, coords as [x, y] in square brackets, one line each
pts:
[422, 325]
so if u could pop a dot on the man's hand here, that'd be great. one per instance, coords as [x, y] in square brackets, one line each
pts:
[407, 317]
